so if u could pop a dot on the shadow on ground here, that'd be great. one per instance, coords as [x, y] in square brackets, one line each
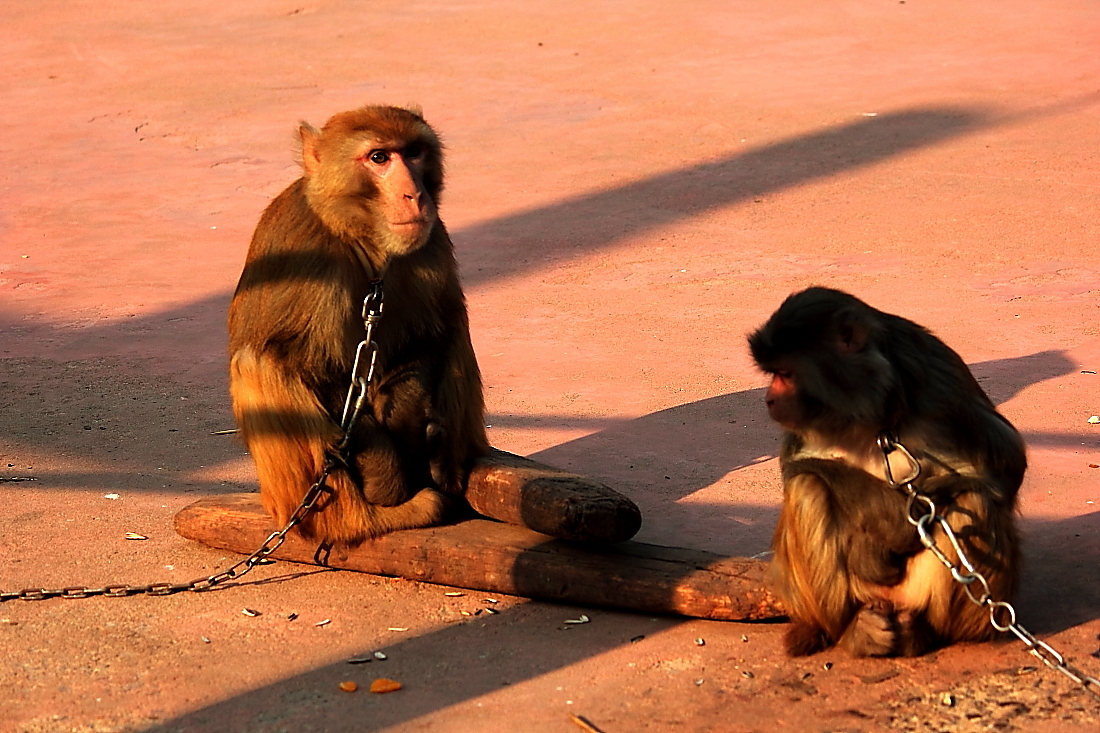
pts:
[538, 239]
[489, 653]
[506, 246]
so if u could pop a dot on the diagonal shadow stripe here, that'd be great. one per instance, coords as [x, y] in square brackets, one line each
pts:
[604, 218]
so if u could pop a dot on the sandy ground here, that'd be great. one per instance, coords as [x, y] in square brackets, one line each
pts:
[632, 187]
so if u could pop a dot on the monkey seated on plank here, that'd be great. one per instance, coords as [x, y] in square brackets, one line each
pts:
[851, 569]
[365, 208]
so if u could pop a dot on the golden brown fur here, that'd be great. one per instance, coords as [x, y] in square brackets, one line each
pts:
[364, 208]
[849, 566]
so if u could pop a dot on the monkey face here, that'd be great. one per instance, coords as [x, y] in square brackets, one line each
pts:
[403, 210]
[782, 399]
[374, 176]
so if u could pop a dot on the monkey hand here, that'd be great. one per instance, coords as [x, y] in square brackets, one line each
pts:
[872, 632]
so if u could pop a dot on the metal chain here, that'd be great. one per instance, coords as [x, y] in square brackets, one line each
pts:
[372, 313]
[1002, 615]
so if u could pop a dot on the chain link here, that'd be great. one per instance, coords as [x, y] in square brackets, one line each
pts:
[372, 313]
[964, 571]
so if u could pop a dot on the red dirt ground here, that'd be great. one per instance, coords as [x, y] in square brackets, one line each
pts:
[632, 187]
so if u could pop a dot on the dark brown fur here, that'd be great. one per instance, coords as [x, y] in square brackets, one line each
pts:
[295, 321]
[850, 567]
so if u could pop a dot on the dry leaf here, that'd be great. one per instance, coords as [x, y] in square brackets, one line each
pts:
[382, 684]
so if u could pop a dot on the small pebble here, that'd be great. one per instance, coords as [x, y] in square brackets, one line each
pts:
[249, 612]
[948, 699]
[379, 655]
[323, 622]
[700, 642]
[349, 686]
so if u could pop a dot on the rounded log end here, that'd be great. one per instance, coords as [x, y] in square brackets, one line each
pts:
[578, 510]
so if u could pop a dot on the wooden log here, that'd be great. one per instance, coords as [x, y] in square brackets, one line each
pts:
[558, 503]
[503, 558]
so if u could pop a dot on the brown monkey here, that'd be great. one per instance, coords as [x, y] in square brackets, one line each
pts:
[850, 567]
[364, 208]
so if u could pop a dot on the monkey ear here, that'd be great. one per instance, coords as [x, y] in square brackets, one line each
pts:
[311, 155]
[852, 332]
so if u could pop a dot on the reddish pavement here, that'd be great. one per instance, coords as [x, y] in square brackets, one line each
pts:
[632, 187]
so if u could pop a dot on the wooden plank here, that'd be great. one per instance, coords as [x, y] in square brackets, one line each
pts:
[561, 504]
[490, 556]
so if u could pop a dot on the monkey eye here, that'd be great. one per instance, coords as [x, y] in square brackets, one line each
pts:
[414, 150]
[379, 157]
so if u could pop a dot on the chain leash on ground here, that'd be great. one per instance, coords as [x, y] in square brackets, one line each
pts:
[1002, 615]
[366, 359]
